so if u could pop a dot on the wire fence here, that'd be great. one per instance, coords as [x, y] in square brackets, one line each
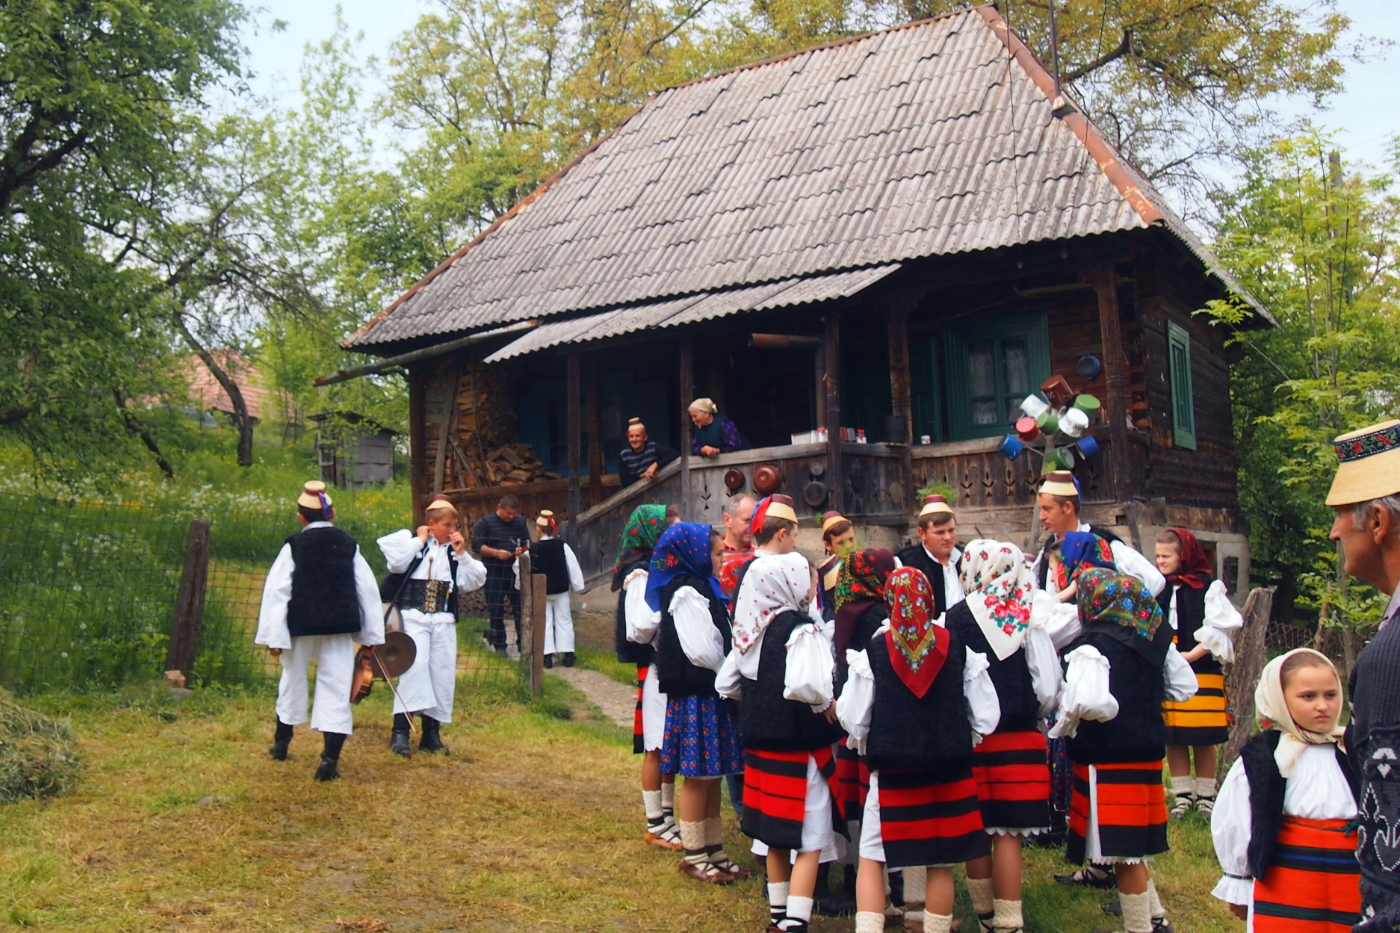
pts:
[88, 595]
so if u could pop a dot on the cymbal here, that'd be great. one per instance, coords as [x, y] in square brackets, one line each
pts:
[397, 653]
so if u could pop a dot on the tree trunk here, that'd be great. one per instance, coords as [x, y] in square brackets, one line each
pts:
[1251, 653]
[241, 419]
[134, 425]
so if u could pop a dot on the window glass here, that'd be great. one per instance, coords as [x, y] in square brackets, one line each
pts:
[1018, 378]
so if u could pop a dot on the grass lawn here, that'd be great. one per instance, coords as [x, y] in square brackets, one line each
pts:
[182, 822]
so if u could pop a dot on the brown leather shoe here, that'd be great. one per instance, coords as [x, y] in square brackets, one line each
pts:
[705, 872]
[652, 839]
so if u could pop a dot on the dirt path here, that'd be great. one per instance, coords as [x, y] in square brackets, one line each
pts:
[617, 701]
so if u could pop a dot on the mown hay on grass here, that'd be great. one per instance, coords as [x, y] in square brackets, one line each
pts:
[38, 755]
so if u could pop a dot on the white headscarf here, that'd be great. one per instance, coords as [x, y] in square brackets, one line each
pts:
[1271, 712]
[773, 584]
[999, 586]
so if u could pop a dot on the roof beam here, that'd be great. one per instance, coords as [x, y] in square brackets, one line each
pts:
[393, 362]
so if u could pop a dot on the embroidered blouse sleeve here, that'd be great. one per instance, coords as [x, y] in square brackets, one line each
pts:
[642, 620]
[1059, 620]
[1181, 680]
[695, 629]
[1222, 621]
[399, 549]
[471, 573]
[1085, 693]
[575, 571]
[983, 707]
[1044, 666]
[1230, 829]
[371, 609]
[277, 592]
[857, 700]
[1131, 562]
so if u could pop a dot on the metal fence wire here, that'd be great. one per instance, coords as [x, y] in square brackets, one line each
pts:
[88, 595]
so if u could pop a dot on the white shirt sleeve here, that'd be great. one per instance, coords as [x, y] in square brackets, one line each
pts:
[1181, 680]
[1230, 829]
[371, 609]
[1085, 693]
[575, 571]
[471, 573]
[810, 667]
[642, 620]
[729, 683]
[695, 629]
[399, 549]
[1222, 621]
[983, 707]
[1134, 564]
[857, 700]
[1044, 666]
[277, 592]
[1059, 620]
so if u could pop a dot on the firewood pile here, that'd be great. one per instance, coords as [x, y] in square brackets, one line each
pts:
[478, 453]
[516, 463]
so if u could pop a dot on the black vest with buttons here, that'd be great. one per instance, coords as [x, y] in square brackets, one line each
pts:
[324, 599]
[675, 675]
[928, 733]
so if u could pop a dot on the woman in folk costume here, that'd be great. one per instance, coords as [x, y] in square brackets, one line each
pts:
[838, 540]
[439, 568]
[1199, 611]
[1010, 764]
[702, 735]
[552, 556]
[320, 599]
[790, 770]
[636, 625]
[1117, 673]
[1281, 827]
[922, 808]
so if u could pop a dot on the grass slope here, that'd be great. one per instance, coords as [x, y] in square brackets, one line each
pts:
[182, 822]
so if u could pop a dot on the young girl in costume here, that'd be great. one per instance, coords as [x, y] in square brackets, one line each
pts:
[1118, 671]
[702, 737]
[922, 809]
[1199, 611]
[1010, 764]
[1281, 826]
[636, 625]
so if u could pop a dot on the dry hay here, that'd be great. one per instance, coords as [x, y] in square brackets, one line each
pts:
[38, 755]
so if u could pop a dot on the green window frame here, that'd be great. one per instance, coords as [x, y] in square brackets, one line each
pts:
[992, 366]
[1183, 399]
[926, 396]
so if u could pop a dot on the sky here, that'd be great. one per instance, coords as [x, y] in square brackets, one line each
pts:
[1366, 113]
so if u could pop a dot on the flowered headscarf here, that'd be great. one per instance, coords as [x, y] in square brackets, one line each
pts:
[1195, 566]
[639, 538]
[998, 585]
[682, 550]
[1081, 549]
[773, 584]
[1123, 607]
[917, 644]
[860, 583]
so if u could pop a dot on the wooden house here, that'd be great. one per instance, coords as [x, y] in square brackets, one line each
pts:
[929, 229]
[353, 451]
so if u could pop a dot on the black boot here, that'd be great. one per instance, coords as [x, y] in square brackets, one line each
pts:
[896, 876]
[568, 659]
[432, 740]
[398, 739]
[826, 901]
[330, 755]
[280, 739]
[548, 661]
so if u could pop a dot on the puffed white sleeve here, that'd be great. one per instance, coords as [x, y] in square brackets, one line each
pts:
[399, 549]
[856, 701]
[1044, 666]
[642, 620]
[983, 707]
[1085, 693]
[1230, 829]
[1222, 621]
[371, 609]
[729, 683]
[809, 673]
[471, 573]
[1131, 562]
[1058, 620]
[695, 629]
[277, 592]
[1181, 680]
[575, 571]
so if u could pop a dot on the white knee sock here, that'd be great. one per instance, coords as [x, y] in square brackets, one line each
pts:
[668, 795]
[938, 923]
[651, 800]
[869, 921]
[1155, 902]
[1007, 915]
[777, 901]
[693, 838]
[980, 890]
[1137, 912]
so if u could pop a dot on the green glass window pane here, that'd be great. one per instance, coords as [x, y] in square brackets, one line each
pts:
[982, 374]
[1018, 371]
[984, 412]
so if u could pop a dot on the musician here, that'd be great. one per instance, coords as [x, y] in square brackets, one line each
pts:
[439, 568]
[319, 599]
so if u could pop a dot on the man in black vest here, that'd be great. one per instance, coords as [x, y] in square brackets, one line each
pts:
[1058, 504]
[319, 600]
[500, 537]
[1366, 497]
[936, 553]
[563, 577]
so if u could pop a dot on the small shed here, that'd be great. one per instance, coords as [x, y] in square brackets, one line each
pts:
[353, 451]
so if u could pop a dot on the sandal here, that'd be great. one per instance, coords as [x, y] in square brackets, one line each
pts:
[706, 872]
[1089, 878]
[724, 864]
[1182, 806]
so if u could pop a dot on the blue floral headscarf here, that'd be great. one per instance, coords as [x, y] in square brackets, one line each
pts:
[1080, 550]
[683, 550]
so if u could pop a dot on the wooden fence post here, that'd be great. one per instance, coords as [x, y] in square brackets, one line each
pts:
[1251, 653]
[189, 601]
[532, 596]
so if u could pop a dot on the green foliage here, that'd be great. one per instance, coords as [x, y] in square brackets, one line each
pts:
[945, 490]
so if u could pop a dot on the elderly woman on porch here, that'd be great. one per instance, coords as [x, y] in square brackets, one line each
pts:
[713, 435]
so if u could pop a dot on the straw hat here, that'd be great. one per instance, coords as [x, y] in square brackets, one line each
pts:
[440, 503]
[775, 506]
[705, 405]
[935, 504]
[545, 521]
[313, 495]
[831, 518]
[1060, 483]
[1368, 464]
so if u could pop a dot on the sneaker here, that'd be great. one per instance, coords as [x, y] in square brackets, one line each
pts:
[1089, 878]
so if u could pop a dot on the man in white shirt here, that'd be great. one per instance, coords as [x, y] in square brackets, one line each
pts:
[936, 553]
[1058, 504]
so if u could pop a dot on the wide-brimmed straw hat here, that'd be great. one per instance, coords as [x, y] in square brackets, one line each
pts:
[313, 495]
[935, 504]
[1368, 464]
[1060, 483]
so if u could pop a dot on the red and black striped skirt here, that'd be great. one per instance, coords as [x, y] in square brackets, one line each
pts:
[853, 779]
[1314, 882]
[775, 795]
[1013, 781]
[639, 743]
[930, 820]
[1131, 809]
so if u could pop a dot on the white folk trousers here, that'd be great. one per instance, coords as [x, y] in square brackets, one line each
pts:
[558, 624]
[335, 666]
[428, 687]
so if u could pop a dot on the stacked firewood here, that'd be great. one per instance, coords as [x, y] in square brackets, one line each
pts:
[515, 463]
[478, 454]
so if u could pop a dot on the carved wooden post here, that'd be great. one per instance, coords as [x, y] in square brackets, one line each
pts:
[575, 442]
[595, 439]
[1251, 653]
[687, 380]
[901, 396]
[189, 601]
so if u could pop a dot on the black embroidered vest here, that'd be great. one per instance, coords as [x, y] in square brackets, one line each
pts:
[1266, 789]
[1020, 709]
[1190, 615]
[547, 557]
[324, 597]
[676, 676]
[1138, 732]
[768, 721]
[928, 733]
[629, 652]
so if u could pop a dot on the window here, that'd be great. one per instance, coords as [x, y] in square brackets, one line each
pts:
[1183, 404]
[992, 366]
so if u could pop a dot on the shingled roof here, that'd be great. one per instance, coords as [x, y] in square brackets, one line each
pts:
[933, 138]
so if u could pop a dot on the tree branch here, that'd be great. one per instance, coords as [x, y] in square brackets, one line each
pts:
[135, 426]
[1124, 48]
[12, 415]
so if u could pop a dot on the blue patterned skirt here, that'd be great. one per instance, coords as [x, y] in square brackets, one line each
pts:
[702, 738]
